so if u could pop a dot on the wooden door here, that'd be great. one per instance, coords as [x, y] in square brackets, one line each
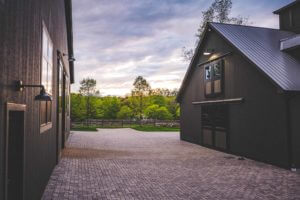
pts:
[14, 161]
[215, 132]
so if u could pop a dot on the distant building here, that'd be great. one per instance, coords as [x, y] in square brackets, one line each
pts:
[241, 93]
[36, 49]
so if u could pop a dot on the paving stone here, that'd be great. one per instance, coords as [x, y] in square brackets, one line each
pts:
[127, 164]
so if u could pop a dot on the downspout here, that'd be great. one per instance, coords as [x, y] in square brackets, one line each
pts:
[288, 98]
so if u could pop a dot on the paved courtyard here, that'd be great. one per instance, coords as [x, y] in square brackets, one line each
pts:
[127, 164]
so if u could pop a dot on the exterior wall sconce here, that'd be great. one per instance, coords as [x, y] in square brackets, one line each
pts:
[43, 96]
[208, 52]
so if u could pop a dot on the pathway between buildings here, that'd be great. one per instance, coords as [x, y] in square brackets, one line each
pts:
[127, 164]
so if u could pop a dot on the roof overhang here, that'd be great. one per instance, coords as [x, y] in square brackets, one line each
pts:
[69, 23]
[286, 7]
[192, 63]
[290, 43]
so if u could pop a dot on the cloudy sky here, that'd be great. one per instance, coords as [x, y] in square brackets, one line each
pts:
[118, 40]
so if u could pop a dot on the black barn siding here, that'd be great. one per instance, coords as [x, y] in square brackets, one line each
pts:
[295, 129]
[258, 126]
[20, 55]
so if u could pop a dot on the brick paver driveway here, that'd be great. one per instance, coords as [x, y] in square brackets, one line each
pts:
[127, 164]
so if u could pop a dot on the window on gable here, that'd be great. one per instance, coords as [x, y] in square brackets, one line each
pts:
[214, 79]
[46, 76]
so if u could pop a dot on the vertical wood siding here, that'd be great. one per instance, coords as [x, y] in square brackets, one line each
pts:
[20, 56]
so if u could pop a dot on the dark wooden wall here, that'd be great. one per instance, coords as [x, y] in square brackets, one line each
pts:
[257, 126]
[290, 19]
[20, 56]
[295, 124]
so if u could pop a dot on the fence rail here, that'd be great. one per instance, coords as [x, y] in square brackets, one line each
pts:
[125, 123]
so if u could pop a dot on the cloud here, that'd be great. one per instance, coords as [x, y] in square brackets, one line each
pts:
[118, 40]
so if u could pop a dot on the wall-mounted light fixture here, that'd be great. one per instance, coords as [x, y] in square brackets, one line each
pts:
[70, 59]
[208, 52]
[43, 96]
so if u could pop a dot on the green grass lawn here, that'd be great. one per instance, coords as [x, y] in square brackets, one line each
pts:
[84, 128]
[154, 128]
[135, 127]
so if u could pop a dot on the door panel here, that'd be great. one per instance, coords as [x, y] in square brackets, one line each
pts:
[15, 151]
[215, 126]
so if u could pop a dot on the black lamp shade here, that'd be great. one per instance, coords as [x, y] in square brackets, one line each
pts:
[43, 96]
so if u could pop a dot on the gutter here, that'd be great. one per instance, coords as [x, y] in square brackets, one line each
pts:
[69, 23]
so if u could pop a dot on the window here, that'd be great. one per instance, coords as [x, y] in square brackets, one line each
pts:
[46, 76]
[214, 79]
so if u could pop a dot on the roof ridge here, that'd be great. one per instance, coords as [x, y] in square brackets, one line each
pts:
[246, 26]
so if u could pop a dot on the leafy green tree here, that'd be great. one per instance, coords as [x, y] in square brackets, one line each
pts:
[88, 89]
[125, 113]
[78, 108]
[178, 113]
[158, 100]
[157, 112]
[172, 106]
[140, 90]
[110, 107]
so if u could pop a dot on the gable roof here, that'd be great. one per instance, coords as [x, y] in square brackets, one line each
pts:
[261, 46]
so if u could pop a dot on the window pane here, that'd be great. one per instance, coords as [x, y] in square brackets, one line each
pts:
[43, 112]
[44, 74]
[50, 52]
[218, 86]
[45, 44]
[208, 73]
[49, 111]
[49, 79]
[208, 88]
[217, 70]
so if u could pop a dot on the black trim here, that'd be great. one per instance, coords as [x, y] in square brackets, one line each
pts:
[69, 22]
[215, 59]
[222, 101]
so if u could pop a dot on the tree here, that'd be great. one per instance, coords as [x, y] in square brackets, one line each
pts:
[110, 107]
[219, 11]
[88, 89]
[78, 109]
[141, 89]
[125, 113]
[156, 112]
[173, 106]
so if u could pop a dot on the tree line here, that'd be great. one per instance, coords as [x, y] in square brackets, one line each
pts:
[142, 103]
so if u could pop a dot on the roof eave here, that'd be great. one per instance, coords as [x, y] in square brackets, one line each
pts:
[277, 12]
[192, 63]
[69, 23]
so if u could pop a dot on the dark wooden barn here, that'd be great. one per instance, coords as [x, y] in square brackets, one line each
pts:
[241, 93]
[36, 49]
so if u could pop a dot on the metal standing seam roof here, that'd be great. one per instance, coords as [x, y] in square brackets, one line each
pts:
[262, 47]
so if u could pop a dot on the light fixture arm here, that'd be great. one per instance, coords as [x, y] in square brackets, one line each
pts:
[21, 86]
[43, 96]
